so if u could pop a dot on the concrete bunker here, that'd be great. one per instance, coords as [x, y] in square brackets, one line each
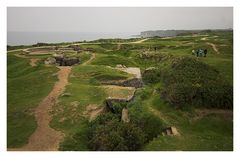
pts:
[65, 61]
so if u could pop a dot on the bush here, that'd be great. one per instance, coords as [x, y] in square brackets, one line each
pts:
[117, 107]
[107, 133]
[150, 124]
[190, 82]
[151, 76]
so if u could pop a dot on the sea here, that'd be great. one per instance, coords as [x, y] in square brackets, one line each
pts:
[29, 38]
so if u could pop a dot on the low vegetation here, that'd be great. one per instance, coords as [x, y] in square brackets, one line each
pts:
[25, 82]
[195, 95]
[190, 82]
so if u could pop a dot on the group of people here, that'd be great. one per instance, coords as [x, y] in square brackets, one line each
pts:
[200, 52]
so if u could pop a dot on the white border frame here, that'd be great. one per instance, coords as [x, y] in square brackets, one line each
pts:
[119, 3]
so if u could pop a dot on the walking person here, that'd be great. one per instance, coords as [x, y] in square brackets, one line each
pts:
[197, 52]
[193, 52]
[200, 52]
[205, 52]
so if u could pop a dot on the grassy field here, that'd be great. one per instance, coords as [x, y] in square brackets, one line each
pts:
[200, 128]
[26, 87]
[84, 90]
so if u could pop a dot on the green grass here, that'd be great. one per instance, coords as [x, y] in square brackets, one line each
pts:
[211, 132]
[26, 87]
[85, 89]
[94, 74]
[113, 60]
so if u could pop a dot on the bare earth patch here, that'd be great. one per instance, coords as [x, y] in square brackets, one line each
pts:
[140, 41]
[132, 70]
[33, 62]
[92, 111]
[45, 138]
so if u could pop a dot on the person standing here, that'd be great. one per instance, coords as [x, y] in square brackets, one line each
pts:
[197, 52]
[205, 52]
[193, 52]
[200, 52]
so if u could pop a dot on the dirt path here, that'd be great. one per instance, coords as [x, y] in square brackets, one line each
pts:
[214, 47]
[21, 56]
[89, 61]
[140, 41]
[45, 138]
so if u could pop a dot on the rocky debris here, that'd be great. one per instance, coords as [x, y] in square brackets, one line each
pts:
[66, 94]
[119, 92]
[60, 60]
[120, 66]
[150, 69]
[170, 131]
[131, 70]
[125, 117]
[109, 102]
[80, 49]
[50, 61]
[60, 55]
[157, 57]
[134, 82]
[67, 61]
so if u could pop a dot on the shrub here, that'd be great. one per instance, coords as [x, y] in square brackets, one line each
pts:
[107, 133]
[150, 124]
[117, 107]
[151, 76]
[191, 82]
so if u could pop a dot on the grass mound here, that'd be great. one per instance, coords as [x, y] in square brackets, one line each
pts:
[97, 74]
[106, 133]
[112, 60]
[190, 82]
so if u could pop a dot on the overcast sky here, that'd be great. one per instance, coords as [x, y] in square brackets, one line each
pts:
[91, 19]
